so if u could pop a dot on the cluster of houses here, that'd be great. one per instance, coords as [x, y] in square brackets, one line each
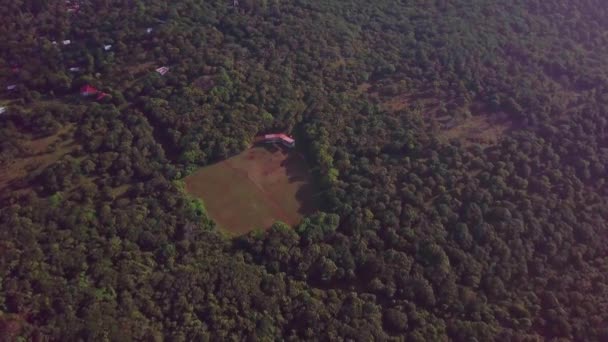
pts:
[73, 6]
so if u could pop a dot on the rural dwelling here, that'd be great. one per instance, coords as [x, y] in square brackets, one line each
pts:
[88, 90]
[74, 69]
[162, 70]
[2, 110]
[284, 139]
[66, 42]
[107, 47]
[149, 30]
[11, 87]
[72, 6]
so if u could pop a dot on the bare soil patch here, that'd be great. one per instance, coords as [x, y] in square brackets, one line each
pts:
[254, 189]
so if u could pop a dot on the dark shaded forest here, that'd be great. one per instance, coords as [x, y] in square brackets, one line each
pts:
[430, 227]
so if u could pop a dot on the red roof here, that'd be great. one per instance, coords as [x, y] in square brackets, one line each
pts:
[88, 90]
[281, 136]
[284, 138]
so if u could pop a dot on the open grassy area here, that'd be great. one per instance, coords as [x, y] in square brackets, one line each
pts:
[254, 189]
[480, 129]
[39, 155]
[481, 126]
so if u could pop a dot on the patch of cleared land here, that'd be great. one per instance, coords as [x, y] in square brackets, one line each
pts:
[482, 127]
[255, 189]
[39, 153]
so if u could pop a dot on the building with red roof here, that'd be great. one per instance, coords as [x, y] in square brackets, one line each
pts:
[284, 139]
[88, 90]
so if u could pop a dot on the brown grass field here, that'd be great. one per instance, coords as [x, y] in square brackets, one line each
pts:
[483, 128]
[38, 156]
[254, 189]
[480, 129]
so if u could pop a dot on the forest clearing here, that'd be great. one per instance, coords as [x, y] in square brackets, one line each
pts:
[254, 189]
[448, 182]
[38, 154]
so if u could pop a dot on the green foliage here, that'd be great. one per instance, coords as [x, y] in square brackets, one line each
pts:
[55, 199]
[316, 227]
[426, 233]
[197, 208]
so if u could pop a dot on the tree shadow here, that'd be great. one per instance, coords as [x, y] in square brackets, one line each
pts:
[308, 196]
[297, 170]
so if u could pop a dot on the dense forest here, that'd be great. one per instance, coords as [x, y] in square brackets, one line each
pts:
[461, 148]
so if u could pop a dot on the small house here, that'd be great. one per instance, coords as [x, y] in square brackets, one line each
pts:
[283, 139]
[11, 87]
[2, 110]
[66, 42]
[149, 30]
[74, 69]
[107, 47]
[162, 70]
[73, 8]
[88, 90]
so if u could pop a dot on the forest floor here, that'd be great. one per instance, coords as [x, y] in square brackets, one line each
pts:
[254, 189]
[39, 153]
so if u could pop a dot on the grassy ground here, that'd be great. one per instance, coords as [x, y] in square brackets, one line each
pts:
[39, 156]
[254, 189]
[481, 129]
